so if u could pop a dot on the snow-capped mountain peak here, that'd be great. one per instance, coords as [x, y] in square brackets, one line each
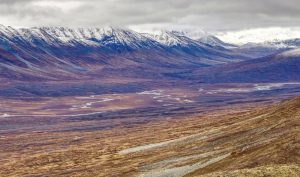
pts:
[203, 37]
[167, 38]
[123, 36]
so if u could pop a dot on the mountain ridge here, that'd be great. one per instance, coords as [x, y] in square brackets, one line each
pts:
[46, 51]
[58, 53]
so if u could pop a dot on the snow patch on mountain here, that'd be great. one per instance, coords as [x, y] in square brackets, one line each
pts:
[170, 38]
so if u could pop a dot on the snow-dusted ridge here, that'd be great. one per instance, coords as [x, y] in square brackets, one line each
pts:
[170, 38]
[103, 36]
[270, 37]
[70, 36]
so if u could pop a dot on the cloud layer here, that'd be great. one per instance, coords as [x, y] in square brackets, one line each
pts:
[259, 35]
[209, 15]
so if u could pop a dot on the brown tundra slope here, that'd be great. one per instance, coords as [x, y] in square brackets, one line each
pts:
[271, 170]
[268, 136]
[253, 141]
[264, 145]
[262, 138]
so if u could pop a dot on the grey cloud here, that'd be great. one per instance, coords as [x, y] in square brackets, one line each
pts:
[212, 15]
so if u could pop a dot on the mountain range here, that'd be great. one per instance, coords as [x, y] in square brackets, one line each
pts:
[38, 52]
[57, 53]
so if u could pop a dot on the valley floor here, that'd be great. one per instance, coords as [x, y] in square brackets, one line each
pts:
[229, 140]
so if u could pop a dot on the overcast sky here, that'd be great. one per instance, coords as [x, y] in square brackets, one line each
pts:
[209, 15]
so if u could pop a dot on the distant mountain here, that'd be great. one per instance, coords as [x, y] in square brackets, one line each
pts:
[282, 67]
[290, 43]
[258, 50]
[60, 53]
[214, 41]
[204, 37]
[261, 42]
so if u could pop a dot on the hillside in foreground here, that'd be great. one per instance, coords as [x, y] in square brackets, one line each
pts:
[275, 170]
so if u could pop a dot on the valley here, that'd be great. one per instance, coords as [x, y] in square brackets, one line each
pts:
[33, 113]
[115, 102]
[234, 137]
